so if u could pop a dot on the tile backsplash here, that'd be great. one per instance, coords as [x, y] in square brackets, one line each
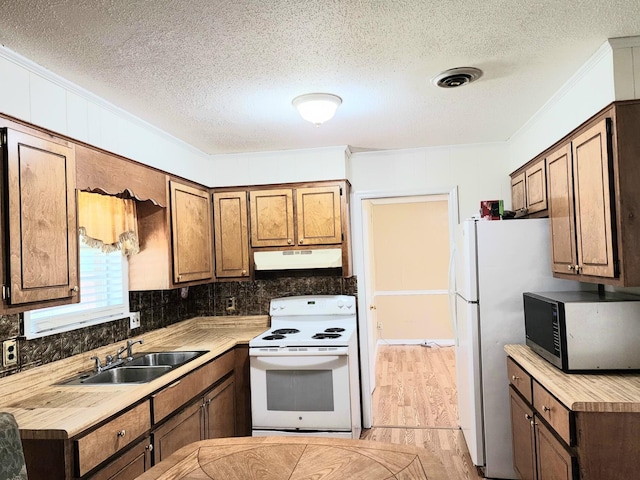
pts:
[164, 307]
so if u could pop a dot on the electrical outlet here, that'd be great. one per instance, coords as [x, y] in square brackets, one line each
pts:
[134, 320]
[231, 304]
[379, 325]
[9, 352]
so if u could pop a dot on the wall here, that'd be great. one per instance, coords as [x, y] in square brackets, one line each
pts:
[277, 167]
[612, 73]
[35, 95]
[165, 307]
[410, 243]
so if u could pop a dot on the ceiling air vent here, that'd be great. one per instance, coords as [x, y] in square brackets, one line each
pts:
[457, 77]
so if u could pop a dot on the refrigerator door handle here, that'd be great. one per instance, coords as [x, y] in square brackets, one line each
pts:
[452, 294]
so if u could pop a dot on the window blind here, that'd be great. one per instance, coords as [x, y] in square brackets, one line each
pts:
[104, 296]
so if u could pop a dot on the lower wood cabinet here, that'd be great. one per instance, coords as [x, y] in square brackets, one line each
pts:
[553, 442]
[210, 416]
[203, 404]
[129, 465]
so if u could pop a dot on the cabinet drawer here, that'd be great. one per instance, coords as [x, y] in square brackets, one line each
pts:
[556, 414]
[171, 398]
[128, 466]
[519, 378]
[97, 446]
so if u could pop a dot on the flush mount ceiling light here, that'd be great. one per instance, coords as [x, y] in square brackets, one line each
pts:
[317, 108]
[457, 77]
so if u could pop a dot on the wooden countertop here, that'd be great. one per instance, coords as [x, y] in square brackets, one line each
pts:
[283, 458]
[598, 392]
[45, 409]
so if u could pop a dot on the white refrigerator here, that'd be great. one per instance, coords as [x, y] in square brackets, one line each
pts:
[496, 261]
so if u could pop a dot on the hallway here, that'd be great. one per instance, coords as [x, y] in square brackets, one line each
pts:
[415, 403]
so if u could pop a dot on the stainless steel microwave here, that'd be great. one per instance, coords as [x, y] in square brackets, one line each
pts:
[584, 331]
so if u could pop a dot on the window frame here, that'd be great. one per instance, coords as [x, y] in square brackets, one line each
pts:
[79, 317]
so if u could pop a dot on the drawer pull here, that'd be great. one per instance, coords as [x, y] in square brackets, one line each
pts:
[514, 378]
[122, 433]
[546, 409]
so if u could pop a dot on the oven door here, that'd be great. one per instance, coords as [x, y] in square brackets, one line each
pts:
[300, 390]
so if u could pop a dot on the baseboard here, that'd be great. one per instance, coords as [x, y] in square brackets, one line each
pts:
[427, 342]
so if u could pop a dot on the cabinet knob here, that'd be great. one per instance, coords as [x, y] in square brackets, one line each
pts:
[179, 278]
[244, 272]
[528, 417]
[546, 409]
[289, 241]
[149, 448]
[74, 288]
[301, 241]
[122, 433]
[514, 378]
[569, 267]
[577, 268]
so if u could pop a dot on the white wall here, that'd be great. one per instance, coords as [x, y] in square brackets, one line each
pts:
[479, 171]
[612, 73]
[276, 167]
[40, 97]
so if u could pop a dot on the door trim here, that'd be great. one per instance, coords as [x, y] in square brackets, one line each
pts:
[362, 270]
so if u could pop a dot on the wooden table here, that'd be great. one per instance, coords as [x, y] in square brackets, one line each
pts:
[297, 458]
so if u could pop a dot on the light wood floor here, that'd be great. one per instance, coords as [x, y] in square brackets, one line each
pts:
[415, 403]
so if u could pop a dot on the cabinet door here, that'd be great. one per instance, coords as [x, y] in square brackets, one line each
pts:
[561, 214]
[524, 459]
[191, 233]
[231, 234]
[180, 430]
[42, 231]
[518, 200]
[219, 411]
[129, 465]
[554, 461]
[271, 217]
[536, 187]
[591, 178]
[318, 215]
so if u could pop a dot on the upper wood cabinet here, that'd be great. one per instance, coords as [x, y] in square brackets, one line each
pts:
[518, 193]
[272, 217]
[318, 215]
[191, 233]
[317, 212]
[40, 259]
[592, 176]
[231, 234]
[176, 247]
[561, 210]
[529, 188]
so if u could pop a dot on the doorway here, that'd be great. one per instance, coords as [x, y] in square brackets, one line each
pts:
[404, 267]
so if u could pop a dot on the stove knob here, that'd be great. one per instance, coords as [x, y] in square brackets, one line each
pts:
[281, 306]
[349, 305]
[340, 304]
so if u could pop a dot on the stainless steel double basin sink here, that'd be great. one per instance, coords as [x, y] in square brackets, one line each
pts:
[143, 368]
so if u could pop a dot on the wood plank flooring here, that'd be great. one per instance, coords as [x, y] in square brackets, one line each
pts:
[415, 403]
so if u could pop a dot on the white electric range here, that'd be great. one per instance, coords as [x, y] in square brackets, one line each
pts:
[304, 369]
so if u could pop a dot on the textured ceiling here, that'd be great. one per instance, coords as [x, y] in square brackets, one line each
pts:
[221, 75]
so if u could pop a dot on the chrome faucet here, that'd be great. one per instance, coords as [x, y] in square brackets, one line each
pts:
[99, 366]
[130, 345]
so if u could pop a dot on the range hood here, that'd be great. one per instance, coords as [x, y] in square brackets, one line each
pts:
[298, 259]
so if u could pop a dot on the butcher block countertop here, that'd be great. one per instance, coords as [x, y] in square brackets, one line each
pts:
[45, 409]
[290, 458]
[598, 392]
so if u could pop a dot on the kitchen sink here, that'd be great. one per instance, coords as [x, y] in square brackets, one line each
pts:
[172, 359]
[143, 368]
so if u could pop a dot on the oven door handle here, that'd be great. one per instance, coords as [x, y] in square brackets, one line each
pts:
[298, 363]
[293, 353]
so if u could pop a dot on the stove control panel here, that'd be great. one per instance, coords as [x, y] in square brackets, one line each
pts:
[313, 305]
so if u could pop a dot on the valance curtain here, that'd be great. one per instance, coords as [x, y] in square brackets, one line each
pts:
[108, 223]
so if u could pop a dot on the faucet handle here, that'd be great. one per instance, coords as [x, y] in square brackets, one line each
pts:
[119, 352]
[98, 363]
